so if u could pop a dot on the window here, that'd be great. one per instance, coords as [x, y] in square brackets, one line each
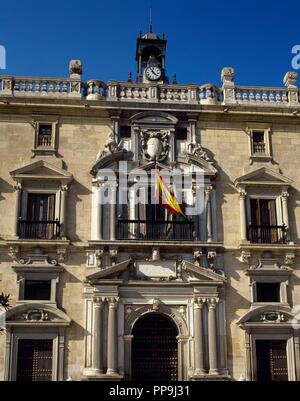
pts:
[263, 227]
[37, 290]
[181, 140]
[258, 143]
[40, 220]
[34, 360]
[268, 292]
[125, 131]
[44, 135]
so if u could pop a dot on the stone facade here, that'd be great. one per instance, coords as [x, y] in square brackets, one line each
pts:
[103, 283]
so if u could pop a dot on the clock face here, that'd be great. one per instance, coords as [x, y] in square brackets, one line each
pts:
[153, 73]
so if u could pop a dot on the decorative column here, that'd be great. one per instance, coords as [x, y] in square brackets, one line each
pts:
[285, 212]
[63, 208]
[243, 216]
[212, 337]
[18, 188]
[98, 214]
[198, 337]
[112, 337]
[113, 204]
[127, 345]
[97, 359]
[208, 190]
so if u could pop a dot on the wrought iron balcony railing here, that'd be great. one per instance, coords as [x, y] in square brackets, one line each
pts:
[267, 234]
[39, 229]
[156, 230]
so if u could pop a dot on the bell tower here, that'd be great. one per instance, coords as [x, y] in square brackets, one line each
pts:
[151, 57]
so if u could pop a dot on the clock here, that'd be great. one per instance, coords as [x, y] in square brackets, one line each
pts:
[153, 73]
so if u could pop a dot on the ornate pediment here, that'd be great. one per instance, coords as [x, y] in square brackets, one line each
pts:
[112, 272]
[149, 118]
[41, 170]
[161, 270]
[263, 176]
[202, 273]
[269, 314]
[36, 314]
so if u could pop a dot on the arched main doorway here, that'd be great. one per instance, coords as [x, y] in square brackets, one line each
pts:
[154, 349]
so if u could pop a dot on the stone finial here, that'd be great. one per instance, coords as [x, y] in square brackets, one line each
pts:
[75, 69]
[227, 75]
[290, 79]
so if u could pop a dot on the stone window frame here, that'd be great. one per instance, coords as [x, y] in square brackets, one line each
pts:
[27, 273]
[260, 193]
[271, 278]
[267, 156]
[47, 120]
[41, 188]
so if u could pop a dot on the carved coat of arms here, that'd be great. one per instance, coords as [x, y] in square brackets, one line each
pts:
[155, 145]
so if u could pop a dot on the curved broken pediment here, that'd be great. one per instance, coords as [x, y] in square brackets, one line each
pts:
[36, 313]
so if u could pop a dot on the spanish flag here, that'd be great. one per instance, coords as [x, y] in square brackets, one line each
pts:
[166, 198]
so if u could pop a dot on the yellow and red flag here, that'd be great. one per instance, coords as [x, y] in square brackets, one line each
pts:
[166, 198]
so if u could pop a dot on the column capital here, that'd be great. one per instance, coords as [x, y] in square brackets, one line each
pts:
[18, 186]
[198, 302]
[98, 301]
[128, 338]
[285, 195]
[242, 193]
[208, 189]
[212, 303]
[113, 302]
[64, 187]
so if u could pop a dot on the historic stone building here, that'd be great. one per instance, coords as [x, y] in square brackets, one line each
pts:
[117, 292]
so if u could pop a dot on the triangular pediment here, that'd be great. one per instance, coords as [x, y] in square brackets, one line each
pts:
[41, 170]
[203, 273]
[111, 272]
[263, 176]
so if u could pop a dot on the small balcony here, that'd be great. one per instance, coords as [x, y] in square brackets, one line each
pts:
[41, 230]
[267, 234]
[155, 230]
[259, 148]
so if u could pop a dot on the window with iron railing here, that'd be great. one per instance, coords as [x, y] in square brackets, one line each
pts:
[264, 228]
[40, 222]
[44, 137]
[258, 143]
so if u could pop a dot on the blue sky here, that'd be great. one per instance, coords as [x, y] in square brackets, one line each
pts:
[255, 37]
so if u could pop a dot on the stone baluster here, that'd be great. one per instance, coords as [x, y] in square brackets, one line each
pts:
[208, 190]
[97, 359]
[212, 337]
[63, 210]
[18, 188]
[198, 337]
[243, 216]
[112, 337]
